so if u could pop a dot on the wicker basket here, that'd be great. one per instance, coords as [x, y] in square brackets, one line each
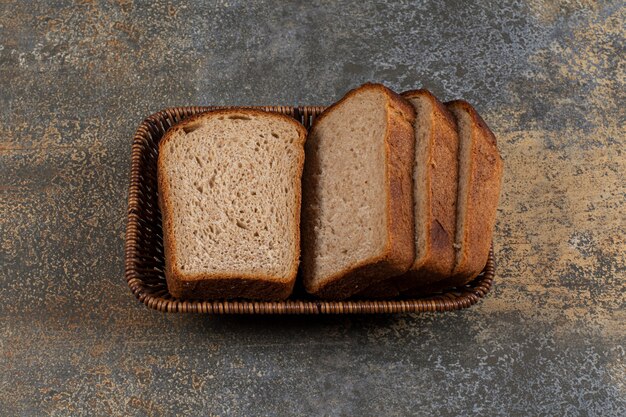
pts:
[144, 242]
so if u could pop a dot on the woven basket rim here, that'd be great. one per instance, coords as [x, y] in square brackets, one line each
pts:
[155, 296]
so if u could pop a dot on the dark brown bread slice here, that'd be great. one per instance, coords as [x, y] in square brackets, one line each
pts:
[357, 197]
[480, 169]
[480, 179]
[435, 178]
[230, 191]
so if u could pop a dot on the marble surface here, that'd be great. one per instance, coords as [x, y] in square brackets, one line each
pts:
[76, 78]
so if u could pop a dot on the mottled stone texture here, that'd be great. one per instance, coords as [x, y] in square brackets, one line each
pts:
[76, 78]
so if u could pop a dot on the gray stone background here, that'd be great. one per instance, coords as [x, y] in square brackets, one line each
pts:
[76, 78]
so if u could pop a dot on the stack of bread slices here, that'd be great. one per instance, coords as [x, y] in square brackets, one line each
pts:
[385, 196]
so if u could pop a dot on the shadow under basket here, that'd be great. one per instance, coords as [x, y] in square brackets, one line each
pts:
[144, 258]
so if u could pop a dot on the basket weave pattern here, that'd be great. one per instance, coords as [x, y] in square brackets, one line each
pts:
[144, 258]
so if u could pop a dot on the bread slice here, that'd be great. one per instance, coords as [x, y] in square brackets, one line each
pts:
[480, 179]
[435, 177]
[230, 191]
[357, 203]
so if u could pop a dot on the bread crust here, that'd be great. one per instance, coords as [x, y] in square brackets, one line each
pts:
[225, 286]
[399, 251]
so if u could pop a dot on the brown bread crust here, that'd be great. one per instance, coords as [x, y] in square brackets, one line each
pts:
[400, 251]
[224, 286]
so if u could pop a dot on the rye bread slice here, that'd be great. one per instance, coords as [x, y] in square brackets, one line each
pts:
[230, 192]
[357, 193]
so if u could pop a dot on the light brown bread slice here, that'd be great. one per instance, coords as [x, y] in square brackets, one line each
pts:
[435, 177]
[480, 180]
[357, 204]
[229, 192]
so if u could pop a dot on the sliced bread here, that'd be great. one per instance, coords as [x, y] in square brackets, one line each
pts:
[230, 192]
[435, 177]
[357, 193]
[480, 179]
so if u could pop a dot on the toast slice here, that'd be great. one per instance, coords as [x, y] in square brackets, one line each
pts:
[357, 193]
[230, 192]
[435, 178]
[480, 179]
